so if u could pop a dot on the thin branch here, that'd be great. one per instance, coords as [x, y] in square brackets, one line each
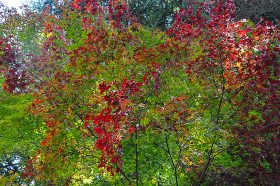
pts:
[160, 147]
[171, 159]
[77, 114]
[209, 157]
[180, 151]
[136, 155]
[221, 151]
[124, 175]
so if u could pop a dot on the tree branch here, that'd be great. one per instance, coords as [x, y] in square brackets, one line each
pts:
[171, 159]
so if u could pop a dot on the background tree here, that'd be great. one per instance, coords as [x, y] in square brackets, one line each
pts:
[256, 9]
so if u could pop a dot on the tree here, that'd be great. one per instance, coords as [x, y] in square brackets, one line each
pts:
[123, 104]
[20, 135]
[19, 130]
[257, 9]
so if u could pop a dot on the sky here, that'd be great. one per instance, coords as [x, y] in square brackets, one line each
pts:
[14, 3]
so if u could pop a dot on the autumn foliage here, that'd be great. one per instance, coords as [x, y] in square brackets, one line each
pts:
[198, 103]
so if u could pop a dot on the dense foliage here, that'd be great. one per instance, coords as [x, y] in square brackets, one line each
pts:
[103, 100]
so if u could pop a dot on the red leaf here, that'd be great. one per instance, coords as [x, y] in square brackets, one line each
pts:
[103, 87]
[86, 124]
[244, 32]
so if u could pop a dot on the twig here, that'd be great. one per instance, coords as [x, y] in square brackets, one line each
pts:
[171, 159]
